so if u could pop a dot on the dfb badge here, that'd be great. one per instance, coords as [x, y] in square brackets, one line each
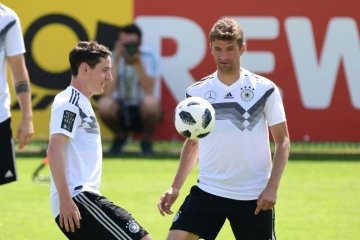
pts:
[68, 120]
[133, 226]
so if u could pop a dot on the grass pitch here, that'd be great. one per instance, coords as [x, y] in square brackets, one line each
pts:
[317, 200]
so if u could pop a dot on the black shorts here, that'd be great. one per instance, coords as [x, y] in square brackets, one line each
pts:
[7, 161]
[204, 215]
[102, 219]
[130, 117]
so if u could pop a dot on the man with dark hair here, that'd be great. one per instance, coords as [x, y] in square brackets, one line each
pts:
[12, 49]
[237, 178]
[75, 154]
[132, 101]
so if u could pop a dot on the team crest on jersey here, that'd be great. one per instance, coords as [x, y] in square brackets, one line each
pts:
[133, 226]
[247, 94]
[68, 120]
[177, 215]
[210, 96]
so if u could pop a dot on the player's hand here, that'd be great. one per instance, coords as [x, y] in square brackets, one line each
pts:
[266, 200]
[167, 200]
[25, 132]
[69, 215]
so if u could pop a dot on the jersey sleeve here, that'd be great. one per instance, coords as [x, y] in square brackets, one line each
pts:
[274, 108]
[65, 119]
[189, 92]
[14, 42]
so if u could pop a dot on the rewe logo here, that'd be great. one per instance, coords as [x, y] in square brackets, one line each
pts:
[315, 78]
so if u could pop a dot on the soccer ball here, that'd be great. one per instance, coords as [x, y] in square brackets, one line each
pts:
[194, 118]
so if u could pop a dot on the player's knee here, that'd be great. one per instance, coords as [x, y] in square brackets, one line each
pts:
[146, 237]
[181, 235]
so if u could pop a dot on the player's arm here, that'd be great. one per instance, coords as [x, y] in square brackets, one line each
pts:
[275, 116]
[267, 198]
[21, 83]
[281, 137]
[188, 158]
[64, 121]
[14, 50]
[69, 213]
[55, 155]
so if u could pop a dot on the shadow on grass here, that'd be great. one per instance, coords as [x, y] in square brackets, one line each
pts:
[293, 157]
[324, 157]
[176, 155]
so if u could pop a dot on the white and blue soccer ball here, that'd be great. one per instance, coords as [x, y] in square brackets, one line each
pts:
[194, 118]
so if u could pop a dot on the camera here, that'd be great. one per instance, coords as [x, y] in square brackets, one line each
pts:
[131, 48]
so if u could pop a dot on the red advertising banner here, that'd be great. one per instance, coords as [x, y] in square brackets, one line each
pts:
[310, 49]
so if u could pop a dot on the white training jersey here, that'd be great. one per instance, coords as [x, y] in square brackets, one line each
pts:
[128, 84]
[11, 44]
[235, 158]
[73, 116]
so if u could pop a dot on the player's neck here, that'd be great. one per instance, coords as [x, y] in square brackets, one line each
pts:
[229, 78]
[77, 83]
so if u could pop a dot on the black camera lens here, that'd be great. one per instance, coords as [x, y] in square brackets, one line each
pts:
[131, 48]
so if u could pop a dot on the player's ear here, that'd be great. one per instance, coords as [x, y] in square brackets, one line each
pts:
[243, 49]
[84, 68]
[211, 49]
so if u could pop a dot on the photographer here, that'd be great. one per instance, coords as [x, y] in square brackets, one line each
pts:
[131, 101]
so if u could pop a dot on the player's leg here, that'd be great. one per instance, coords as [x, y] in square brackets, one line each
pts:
[248, 226]
[90, 226]
[181, 235]
[8, 171]
[150, 113]
[107, 220]
[112, 111]
[200, 216]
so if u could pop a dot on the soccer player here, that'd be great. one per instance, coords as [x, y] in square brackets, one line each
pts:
[237, 179]
[12, 49]
[75, 154]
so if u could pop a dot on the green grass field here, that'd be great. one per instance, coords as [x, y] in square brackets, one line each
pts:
[317, 200]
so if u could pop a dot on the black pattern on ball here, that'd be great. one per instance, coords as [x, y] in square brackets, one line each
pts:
[186, 133]
[193, 103]
[206, 118]
[203, 135]
[187, 118]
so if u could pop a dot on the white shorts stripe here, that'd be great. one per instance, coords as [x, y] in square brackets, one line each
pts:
[100, 219]
[109, 220]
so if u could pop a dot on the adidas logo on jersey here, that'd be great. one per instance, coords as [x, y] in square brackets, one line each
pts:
[228, 96]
